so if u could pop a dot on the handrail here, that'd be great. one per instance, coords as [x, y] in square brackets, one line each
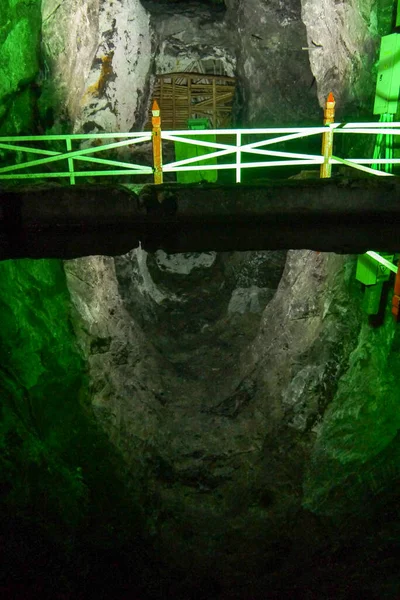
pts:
[74, 155]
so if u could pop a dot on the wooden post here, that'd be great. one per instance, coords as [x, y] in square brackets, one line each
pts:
[214, 92]
[189, 85]
[327, 137]
[173, 102]
[157, 145]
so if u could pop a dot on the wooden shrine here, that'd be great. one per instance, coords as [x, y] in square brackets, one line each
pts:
[184, 96]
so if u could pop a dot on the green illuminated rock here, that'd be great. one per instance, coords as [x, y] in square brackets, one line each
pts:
[19, 66]
[57, 471]
[358, 450]
[41, 381]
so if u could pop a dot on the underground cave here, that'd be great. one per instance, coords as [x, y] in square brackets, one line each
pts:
[182, 419]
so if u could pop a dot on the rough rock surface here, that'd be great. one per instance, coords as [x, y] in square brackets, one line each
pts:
[63, 494]
[192, 37]
[98, 56]
[127, 376]
[19, 66]
[357, 450]
[275, 80]
[222, 410]
[342, 41]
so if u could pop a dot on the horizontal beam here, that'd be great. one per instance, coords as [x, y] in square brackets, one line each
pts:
[67, 155]
[76, 136]
[345, 216]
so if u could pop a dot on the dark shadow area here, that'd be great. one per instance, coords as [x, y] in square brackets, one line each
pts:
[346, 216]
[366, 565]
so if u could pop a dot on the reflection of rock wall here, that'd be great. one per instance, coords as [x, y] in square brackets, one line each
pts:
[98, 55]
[217, 383]
[128, 381]
[357, 452]
[341, 37]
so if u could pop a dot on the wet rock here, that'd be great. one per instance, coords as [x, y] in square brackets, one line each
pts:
[123, 366]
[183, 264]
[355, 455]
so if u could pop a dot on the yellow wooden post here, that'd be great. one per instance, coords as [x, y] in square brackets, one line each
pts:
[327, 137]
[157, 146]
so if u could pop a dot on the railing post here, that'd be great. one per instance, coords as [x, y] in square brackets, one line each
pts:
[238, 156]
[327, 137]
[157, 144]
[70, 162]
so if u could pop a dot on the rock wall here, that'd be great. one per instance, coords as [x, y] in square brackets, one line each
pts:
[342, 38]
[292, 53]
[64, 496]
[355, 457]
[220, 384]
[20, 64]
[193, 38]
[98, 58]
[128, 376]
[275, 80]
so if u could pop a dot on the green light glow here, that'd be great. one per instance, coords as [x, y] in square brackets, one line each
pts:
[78, 174]
[141, 135]
[58, 472]
[387, 85]
[238, 156]
[384, 144]
[188, 153]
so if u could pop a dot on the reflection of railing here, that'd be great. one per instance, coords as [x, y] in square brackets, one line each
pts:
[240, 146]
